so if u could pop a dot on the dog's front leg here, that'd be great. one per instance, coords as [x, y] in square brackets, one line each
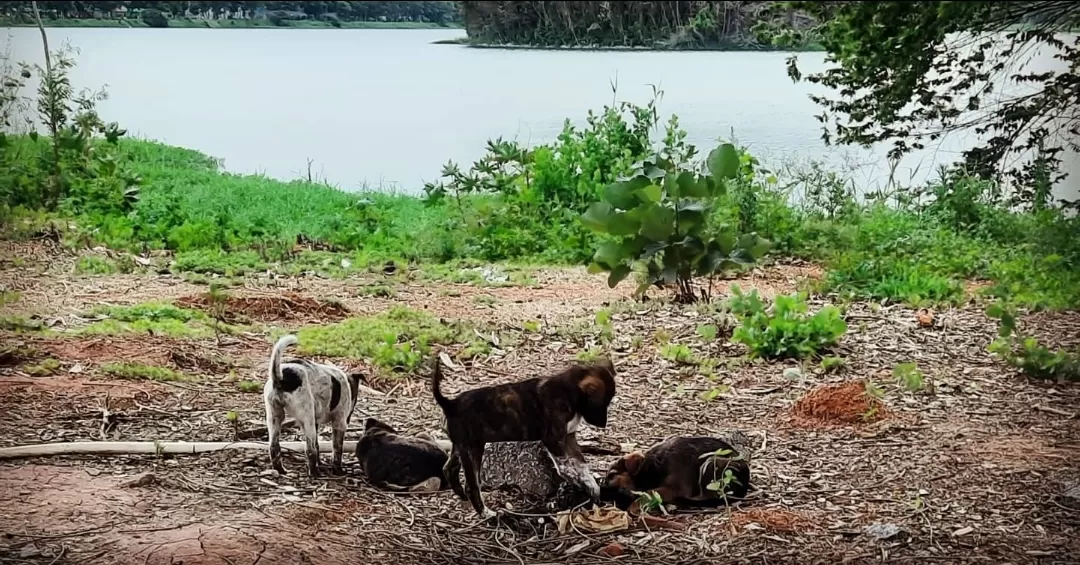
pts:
[570, 464]
[275, 415]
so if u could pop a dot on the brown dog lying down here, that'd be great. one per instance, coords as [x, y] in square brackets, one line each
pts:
[398, 462]
[544, 409]
[680, 470]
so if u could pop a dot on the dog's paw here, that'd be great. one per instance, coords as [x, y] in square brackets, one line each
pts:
[314, 473]
[337, 470]
[280, 469]
[488, 514]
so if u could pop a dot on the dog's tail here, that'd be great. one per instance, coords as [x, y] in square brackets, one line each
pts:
[275, 358]
[445, 403]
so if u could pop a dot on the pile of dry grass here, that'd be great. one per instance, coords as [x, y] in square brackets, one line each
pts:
[847, 403]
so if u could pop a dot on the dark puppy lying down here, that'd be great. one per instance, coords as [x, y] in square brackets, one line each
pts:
[399, 462]
[680, 470]
[546, 409]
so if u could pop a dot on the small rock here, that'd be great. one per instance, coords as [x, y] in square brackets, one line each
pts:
[93, 472]
[793, 373]
[963, 532]
[882, 532]
[29, 551]
[1072, 490]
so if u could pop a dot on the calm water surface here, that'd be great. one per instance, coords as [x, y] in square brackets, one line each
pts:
[388, 108]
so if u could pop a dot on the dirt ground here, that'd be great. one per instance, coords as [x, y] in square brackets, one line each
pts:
[978, 468]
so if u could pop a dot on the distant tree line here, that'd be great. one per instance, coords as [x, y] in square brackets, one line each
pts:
[435, 12]
[628, 24]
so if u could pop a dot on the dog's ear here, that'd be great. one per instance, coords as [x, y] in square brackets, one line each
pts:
[593, 384]
[633, 462]
[357, 378]
[370, 423]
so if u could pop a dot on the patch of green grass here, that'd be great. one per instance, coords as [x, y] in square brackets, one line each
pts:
[141, 372]
[833, 364]
[9, 297]
[485, 300]
[94, 265]
[678, 353]
[378, 291]
[149, 311]
[397, 340]
[43, 369]
[250, 386]
[154, 318]
[20, 324]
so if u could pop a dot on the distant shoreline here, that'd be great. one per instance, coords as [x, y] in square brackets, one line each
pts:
[730, 47]
[184, 23]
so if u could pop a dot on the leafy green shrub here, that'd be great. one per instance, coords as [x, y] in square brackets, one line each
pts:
[786, 330]
[658, 216]
[1026, 354]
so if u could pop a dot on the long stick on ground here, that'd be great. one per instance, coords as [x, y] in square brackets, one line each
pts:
[150, 448]
[162, 448]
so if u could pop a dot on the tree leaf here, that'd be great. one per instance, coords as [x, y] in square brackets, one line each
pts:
[598, 216]
[622, 224]
[651, 193]
[621, 194]
[689, 186]
[658, 223]
[723, 162]
[617, 275]
[596, 268]
[608, 255]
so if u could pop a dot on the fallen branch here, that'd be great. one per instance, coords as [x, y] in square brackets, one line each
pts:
[150, 448]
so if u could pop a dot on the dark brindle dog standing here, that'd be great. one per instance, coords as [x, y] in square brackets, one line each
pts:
[545, 409]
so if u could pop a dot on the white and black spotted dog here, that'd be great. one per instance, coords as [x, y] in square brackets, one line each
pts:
[313, 394]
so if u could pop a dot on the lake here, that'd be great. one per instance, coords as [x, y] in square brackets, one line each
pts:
[387, 108]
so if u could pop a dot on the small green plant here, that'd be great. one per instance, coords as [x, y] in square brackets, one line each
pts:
[250, 386]
[707, 332]
[532, 326]
[678, 353]
[43, 369]
[1026, 353]
[218, 302]
[909, 376]
[607, 331]
[234, 419]
[139, 371]
[659, 216]
[786, 330]
[589, 355]
[9, 297]
[378, 291]
[662, 336]
[722, 478]
[650, 502]
[94, 265]
[714, 392]
[833, 364]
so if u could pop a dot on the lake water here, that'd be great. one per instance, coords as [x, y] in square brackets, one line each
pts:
[388, 108]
